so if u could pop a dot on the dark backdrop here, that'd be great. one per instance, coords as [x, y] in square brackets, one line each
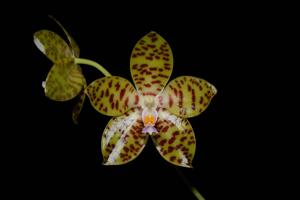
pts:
[53, 157]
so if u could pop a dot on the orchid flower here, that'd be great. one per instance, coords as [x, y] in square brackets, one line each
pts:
[151, 109]
[65, 79]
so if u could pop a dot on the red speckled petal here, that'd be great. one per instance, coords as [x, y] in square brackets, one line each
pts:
[53, 46]
[151, 64]
[112, 95]
[64, 82]
[122, 139]
[187, 96]
[175, 140]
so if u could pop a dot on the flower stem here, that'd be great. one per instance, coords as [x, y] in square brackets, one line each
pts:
[93, 64]
[187, 183]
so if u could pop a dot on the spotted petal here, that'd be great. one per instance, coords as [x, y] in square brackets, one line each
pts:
[64, 82]
[175, 140]
[73, 44]
[123, 140]
[187, 96]
[151, 64]
[78, 106]
[112, 95]
[53, 46]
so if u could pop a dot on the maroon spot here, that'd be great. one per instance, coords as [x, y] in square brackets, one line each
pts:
[179, 160]
[157, 81]
[149, 58]
[183, 139]
[165, 129]
[126, 102]
[200, 87]
[148, 73]
[167, 68]
[149, 93]
[193, 99]
[166, 54]
[142, 79]
[112, 105]
[151, 46]
[163, 76]
[134, 55]
[175, 133]
[189, 88]
[144, 71]
[180, 98]
[158, 89]
[106, 92]
[153, 68]
[117, 104]
[170, 149]
[117, 86]
[171, 140]
[110, 84]
[166, 59]
[147, 85]
[175, 91]
[122, 94]
[160, 69]
[105, 109]
[134, 66]
[102, 93]
[178, 84]
[154, 39]
[157, 57]
[136, 99]
[136, 48]
[145, 48]
[154, 76]
[201, 100]
[111, 98]
[173, 158]
[170, 101]
[101, 106]
[165, 152]
[162, 143]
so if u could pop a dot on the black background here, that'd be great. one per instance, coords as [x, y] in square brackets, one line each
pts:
[229, 47]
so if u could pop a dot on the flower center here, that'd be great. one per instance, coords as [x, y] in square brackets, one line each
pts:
[149, 115]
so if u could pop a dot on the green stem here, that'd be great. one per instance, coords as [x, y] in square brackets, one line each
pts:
[92, 63]
[193, 189]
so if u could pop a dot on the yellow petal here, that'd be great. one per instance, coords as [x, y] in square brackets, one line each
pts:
[53, 46]
[151, 64]
[64, 82]
[123, 140]
[187, 96]
[112, 95]
[175, 140]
